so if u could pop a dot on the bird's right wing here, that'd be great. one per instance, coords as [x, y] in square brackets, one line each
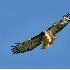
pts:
[60, 24]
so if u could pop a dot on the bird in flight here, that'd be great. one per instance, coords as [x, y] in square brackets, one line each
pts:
[46, 37]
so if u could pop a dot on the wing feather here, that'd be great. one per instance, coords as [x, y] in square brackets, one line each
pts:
[27, 45]
[60, 24]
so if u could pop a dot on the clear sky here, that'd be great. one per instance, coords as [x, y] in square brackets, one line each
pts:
[23, 19]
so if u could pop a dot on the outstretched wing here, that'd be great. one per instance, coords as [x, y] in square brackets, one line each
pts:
[27, 45]
[60, 24]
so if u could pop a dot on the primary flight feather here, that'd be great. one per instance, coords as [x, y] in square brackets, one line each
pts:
[46, 37]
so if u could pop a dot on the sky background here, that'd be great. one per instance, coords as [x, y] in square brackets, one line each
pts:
[23, 19]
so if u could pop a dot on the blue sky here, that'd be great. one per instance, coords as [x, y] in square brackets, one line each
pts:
[23, 19]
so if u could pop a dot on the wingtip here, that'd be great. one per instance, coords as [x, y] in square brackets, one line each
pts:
[17, 43]
[67, 15]
[14, 49]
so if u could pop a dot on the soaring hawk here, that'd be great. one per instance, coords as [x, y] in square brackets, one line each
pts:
[46, 37]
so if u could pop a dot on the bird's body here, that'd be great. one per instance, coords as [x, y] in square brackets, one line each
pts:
[46, 37]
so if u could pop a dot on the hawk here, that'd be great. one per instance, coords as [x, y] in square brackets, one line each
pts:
[46, 37]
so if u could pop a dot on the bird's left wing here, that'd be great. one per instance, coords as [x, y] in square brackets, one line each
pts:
[27, 45]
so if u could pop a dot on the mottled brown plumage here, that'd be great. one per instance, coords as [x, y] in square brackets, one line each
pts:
[46, 37]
